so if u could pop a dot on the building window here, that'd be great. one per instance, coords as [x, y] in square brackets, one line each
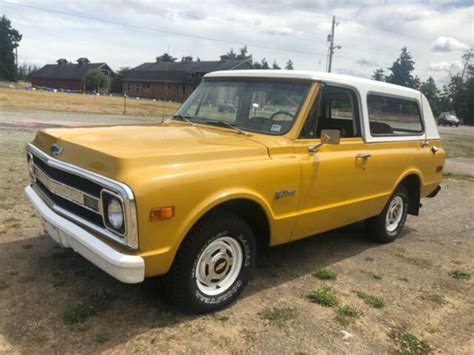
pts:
[184, 89]
[177, 90]
[138, 86]
[128, 86]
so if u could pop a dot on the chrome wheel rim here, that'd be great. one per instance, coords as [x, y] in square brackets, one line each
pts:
[394, 214]
[219, 266]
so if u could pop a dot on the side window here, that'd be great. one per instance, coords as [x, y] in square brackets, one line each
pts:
[393, 116]
[337, 109]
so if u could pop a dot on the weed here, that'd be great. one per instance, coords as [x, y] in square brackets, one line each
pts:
[323, 296]
[221, 318]
[434, 298]
[278, 316]
[97, 302]
[4, 284]
[102, 338]
[345, 314]
[11, 220]
[324, 274]
[460, 274]
[372, 300]
[376, 276]
[408, 343]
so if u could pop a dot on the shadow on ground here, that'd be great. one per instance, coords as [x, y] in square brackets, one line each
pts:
[51, 282]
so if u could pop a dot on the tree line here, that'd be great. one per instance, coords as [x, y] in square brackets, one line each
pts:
[457, 96]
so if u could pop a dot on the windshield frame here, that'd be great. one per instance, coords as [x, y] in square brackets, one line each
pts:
[201, 120]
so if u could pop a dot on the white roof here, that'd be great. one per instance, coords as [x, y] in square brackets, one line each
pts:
[363, 85]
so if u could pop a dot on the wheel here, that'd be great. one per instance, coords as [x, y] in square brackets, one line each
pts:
[387, 226]
[213, 265]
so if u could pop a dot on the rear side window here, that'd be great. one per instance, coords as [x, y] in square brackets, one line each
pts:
[393, 116]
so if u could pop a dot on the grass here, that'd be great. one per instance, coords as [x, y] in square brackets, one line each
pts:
[458, 146]
[324, 296]
[432, 297]
[11, 220]
[324, 274]
[407, 344]
[460, 274]
[372, 300]
[14, 100]
[278, 317]
[102, 338]
[462, 177]
[4, 284]
[96, 303]
[345, 314]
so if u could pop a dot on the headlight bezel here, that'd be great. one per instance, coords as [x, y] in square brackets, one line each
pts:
[106, 196]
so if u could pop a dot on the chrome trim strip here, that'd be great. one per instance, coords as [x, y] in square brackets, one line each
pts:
[121, 189]
[65, 191]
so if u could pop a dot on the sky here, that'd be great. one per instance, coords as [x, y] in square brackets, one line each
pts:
[126, 33]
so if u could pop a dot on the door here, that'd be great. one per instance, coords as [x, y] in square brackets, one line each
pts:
[336, 184]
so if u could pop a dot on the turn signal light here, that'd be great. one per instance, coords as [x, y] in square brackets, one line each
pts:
[162, 213]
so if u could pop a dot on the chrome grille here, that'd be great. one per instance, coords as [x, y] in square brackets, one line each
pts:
[75, 193]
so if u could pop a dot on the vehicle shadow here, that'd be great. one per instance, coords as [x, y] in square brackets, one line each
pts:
[53, 283]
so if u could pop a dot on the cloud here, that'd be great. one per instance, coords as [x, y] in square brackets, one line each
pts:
[447, 44]
[367, 62]
[454, 66]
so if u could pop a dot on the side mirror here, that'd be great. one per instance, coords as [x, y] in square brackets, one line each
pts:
[328, 136]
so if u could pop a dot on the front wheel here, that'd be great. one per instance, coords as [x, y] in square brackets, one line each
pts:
[387, 226]
[213, 265]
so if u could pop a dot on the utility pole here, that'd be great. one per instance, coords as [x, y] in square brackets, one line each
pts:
[331, 43]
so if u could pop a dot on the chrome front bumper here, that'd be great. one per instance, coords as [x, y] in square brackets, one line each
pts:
[124, 267]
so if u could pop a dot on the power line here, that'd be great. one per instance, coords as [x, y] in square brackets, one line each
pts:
[182, 34]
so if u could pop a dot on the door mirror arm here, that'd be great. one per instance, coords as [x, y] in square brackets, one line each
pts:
[328, 136]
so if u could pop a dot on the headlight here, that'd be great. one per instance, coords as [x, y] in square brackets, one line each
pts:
[115, 213]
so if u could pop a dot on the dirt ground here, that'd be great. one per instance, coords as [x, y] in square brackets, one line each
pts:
[54, 301]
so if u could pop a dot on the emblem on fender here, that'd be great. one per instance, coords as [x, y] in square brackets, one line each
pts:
[56, 149]
[284, 193]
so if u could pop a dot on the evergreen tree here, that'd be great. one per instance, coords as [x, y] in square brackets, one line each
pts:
[117, 84]
[275, 65]
[289, 65]
[402, 71]
[9, 39]
[165, 57]
[379, 75]
[432, 93]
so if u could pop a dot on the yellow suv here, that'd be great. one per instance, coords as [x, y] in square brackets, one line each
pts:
[251, 159]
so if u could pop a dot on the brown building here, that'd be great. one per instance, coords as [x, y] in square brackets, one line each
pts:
[173, 81]
[67, 76]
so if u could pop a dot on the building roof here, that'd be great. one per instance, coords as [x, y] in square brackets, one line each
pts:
[67, 71]
[363, 85]
[181, 71]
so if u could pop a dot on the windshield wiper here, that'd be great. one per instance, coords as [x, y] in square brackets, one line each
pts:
[226, 124]
[184, 118]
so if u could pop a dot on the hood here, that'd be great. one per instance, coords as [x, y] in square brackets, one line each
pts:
[113, 150]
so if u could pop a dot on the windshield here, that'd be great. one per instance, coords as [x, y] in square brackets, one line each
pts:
[265, 106]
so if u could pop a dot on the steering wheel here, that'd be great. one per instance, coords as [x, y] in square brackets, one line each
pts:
[272, 117]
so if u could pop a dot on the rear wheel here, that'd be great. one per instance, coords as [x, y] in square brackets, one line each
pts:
[387, 226]
[213, 265]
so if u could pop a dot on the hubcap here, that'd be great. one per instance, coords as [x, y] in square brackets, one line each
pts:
[394, 214]
[219, 266]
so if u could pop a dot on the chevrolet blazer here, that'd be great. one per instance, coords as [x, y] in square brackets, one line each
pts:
[193, 198]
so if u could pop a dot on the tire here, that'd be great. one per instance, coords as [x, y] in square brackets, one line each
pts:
[220, 246]
[386, 227]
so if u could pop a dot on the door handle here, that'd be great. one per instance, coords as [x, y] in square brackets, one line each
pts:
[363, 156]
